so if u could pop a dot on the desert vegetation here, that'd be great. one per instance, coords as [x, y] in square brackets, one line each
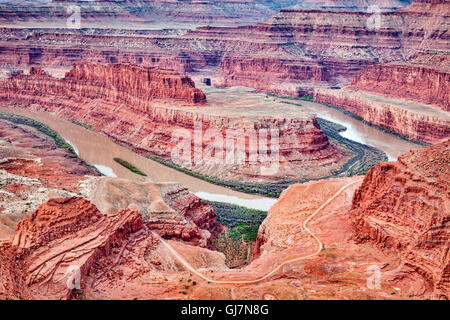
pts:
[129, 166]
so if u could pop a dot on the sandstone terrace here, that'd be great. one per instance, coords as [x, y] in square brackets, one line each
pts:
[293, 53]
[418, 107]
[147, 115]
[335, 44]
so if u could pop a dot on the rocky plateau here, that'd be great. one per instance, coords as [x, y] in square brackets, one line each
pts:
[370, 222]
[144, 108]
[154, 76]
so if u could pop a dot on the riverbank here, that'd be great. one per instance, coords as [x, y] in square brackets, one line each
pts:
[350, 114]
[99, 150]
[364, 157]
[59, 141]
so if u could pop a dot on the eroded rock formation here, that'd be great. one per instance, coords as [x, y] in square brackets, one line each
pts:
[314, 46]
[425, 78]
[117, 83]
[145, 108]
[325, 45]
[167, 208]
[67, 236]
[63, 236]
[405, 205]
[410, 98]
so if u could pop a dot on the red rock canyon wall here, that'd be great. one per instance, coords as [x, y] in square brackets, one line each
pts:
[405, 205]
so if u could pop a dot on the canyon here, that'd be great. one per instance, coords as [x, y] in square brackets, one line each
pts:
[416, 109]
[311, 45]
[145, 108]
[166, 12]
[300, 100]
[296, 52]
[69, 248]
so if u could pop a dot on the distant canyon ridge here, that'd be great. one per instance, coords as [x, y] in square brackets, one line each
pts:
[330, 50]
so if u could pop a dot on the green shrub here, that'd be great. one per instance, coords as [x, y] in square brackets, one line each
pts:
[129, 166]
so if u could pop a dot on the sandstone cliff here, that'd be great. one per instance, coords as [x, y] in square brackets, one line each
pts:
[413, 120]
[425, 78]
[410, 98]
[405, 205]
[339, 43]
[142, 108]
[117, 83]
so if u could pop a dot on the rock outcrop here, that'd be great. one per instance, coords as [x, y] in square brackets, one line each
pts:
[425, 78]
[67, 244]
[167, 208]
[418, 106]
[144, 109]
[405, 205]
[63, 236]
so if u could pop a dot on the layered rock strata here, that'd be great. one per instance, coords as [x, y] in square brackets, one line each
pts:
[328, 45]
[168, 13]
[413, 120]
[339, 43]
[409, 98]
[405, 205]
[425, 79]
[144, 108]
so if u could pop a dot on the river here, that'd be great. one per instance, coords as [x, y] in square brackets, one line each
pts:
[99, 151]
[235, 99]
[363, 133]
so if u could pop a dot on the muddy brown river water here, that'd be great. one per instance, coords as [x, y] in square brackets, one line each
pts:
[255, 103]
[99, 151]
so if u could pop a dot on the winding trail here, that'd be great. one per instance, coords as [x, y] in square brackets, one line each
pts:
[274, 270]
